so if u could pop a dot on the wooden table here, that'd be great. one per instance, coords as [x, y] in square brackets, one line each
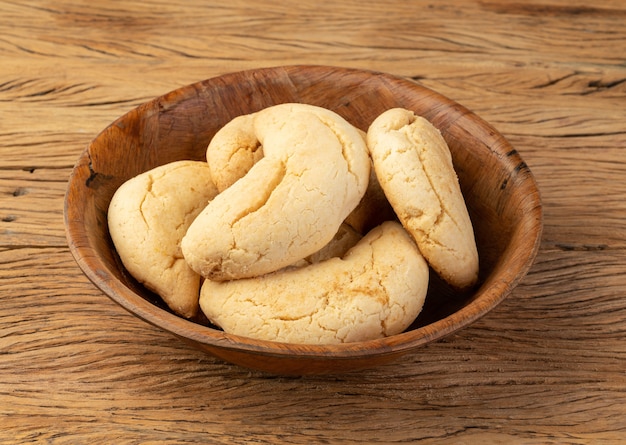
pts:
[548, 366]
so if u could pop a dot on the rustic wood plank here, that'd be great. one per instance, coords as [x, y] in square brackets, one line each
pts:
[31, 207]
[492, 372]
[545, 367]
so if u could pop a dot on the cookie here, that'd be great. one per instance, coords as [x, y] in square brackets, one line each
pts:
[377, 289]
[233, 151]
[148, 216]
[414, 167]
[290, 203]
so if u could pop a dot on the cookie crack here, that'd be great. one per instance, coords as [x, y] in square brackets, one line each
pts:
[252, 148]
[144, 199]
[344, 142]
[381, 279]
[409, 132]
[280, 172]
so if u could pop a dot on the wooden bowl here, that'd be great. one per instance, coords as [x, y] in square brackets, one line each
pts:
[500, 192]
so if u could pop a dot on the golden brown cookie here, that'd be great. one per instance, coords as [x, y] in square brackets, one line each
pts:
[233, 151]
[148, 216]
[414, 167]
[377, 289]
[290, 203]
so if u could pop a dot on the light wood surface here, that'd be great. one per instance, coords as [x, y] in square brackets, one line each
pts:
[547, 366]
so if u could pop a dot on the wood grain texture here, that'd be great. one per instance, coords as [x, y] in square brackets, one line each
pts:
[545, 367]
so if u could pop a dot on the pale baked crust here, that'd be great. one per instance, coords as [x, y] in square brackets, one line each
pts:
[290, 203]
[414, 167]
[233, 151]
[148, 216]
[377, 289]
[235, 148]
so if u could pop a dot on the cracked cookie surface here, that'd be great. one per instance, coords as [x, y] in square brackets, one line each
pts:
[233, 151]
[290, 203]
[414, 167]
[235, 148]
[148, 216]
[376, 289]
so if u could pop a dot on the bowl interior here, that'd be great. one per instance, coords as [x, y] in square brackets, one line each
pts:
[499, 189]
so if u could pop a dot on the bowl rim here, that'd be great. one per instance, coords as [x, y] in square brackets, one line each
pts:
[486, 298]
